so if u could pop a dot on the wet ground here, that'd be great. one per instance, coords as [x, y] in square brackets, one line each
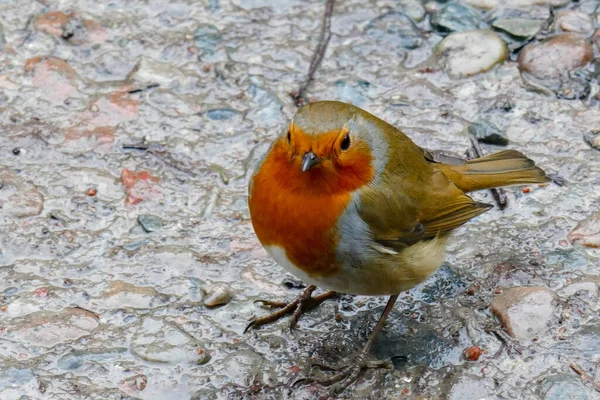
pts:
[128, 132]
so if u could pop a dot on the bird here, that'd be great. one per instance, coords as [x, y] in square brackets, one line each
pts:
[347, 202]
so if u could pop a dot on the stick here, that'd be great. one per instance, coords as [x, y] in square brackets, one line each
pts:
[318, 55]
[499, 194]
[585, 376]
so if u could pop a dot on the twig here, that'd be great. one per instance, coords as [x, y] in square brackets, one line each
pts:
[499, 194]
[318, 54]
[148, 148]
[585, 376]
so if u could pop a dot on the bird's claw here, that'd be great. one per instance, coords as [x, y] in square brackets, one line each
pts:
[304, 302]
[345, 375]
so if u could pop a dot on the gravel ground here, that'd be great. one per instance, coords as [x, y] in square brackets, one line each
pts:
[128, 263]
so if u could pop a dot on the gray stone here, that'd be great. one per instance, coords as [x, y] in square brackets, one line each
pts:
[455, 17]
[221, 114]
[464, 54]
[486, 132]
[150, 222]
[519, 27]
[525, 312]
[574, 21]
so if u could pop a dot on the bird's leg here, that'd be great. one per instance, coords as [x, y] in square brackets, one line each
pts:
[348, 374]
[304, 302]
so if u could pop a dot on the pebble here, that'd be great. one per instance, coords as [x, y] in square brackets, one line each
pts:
[394, 30]
[150, 222]
[587, 232]
[574, 21]
[560, 387]
[553, 56]
[19, 198]
[592, 138]
[465, 54]
[547, 64]
[221, 114]
[524, 311]
[216, 294]
[455, 17]
[519, 27]
[486, 132]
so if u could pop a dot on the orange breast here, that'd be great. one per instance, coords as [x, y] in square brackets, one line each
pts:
[291, 210]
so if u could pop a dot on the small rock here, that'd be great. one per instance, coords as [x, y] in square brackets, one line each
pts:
[18, 198]
[574, 21]
[553, 56]
[486, 132]
[464, 54]
[560, 387]
[207, 37]
[587, 232]
[592, 138]
[524, 311]
[216, 294]
[519, 27]
[396, 30]
[455, 17]
[150, 222]
[473, 353]
[550, 64]
[221, 114]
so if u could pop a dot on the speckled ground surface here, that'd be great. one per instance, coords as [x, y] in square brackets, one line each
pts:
[127, 134]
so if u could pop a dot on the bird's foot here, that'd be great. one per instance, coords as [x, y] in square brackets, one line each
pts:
[304, 302]
[344, 376]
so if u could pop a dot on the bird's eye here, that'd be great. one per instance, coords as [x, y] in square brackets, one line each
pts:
[345, 145]
[289, 137]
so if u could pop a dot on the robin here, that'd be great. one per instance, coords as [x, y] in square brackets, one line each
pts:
[347, 202]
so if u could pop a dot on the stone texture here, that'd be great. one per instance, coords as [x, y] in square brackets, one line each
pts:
[525, 312]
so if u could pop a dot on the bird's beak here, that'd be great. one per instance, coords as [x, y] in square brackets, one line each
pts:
[309, 160]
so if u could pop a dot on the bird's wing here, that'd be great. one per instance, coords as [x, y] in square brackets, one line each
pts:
[406, 208]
